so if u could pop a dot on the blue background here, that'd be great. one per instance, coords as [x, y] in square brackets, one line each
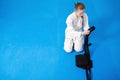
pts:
[32, 37]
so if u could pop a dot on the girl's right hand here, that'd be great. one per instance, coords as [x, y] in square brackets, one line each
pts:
[86, 32]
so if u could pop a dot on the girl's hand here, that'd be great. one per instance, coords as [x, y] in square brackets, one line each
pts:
[86, 32]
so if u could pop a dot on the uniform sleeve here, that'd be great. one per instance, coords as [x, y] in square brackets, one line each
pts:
[70, 24]
[86, 24]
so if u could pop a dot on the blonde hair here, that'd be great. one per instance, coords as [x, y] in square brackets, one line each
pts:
[79, 5]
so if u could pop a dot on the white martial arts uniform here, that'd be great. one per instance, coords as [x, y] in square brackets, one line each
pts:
[73, 32]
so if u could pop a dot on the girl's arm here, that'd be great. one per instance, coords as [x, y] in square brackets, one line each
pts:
[86, 25]
[69, 23]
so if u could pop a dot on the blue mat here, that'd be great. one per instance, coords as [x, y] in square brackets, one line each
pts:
[32, 37]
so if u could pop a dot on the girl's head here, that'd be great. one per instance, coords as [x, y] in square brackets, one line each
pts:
[79, 8]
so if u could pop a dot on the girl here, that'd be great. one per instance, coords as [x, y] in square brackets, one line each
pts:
[77, 27]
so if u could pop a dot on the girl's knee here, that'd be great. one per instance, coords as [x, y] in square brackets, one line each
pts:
[68, 45]
[78, 49]
[68, 50]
